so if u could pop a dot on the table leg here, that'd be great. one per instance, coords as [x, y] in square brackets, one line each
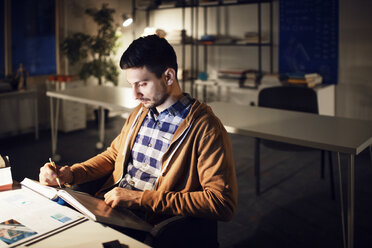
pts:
[54, 128]
[36, 118]
[350, 212]
[341, 201]
[101, 127]
[322, 162]
[350, 201]
[257, 171]
[331, 178]
[204, 93]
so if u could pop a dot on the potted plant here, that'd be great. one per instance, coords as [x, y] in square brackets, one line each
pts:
[95, 52]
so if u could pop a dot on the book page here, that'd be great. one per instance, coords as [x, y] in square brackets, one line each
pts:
[93, 208]
[26, 215]
[49, 192]
[104, 213]
[77, 205]
[5, 176]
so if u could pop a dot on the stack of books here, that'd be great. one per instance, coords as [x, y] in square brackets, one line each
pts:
[167, 4]
[178, 36]
[270, 79]
[306, 79]
[145, 4]
[245, 78]
[251, 37]
[208, 2]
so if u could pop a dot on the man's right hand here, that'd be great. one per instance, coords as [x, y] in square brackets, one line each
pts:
[48, 174]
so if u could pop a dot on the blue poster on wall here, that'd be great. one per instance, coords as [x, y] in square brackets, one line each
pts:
[33, 36]
[308, 37]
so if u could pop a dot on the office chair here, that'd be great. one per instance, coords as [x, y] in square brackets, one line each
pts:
[183, 232]
[293, 98]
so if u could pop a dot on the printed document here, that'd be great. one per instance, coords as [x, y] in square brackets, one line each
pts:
[26, 215]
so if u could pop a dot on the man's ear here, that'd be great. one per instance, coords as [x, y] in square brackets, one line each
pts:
[170, 76]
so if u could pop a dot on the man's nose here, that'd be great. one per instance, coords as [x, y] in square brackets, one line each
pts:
[136, 93]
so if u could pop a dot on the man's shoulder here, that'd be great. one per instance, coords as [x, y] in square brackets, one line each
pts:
[202, 115]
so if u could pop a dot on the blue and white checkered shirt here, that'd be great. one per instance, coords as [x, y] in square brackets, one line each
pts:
[152, 142]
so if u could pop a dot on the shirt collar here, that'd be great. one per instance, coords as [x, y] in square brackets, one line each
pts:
[176, 109]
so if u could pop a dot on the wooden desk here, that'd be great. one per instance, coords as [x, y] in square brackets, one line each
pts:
[341, 135]
[113, 98]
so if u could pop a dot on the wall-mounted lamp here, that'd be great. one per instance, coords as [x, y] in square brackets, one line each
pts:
[127, 20]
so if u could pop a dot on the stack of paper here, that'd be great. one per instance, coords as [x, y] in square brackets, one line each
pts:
[6, 180]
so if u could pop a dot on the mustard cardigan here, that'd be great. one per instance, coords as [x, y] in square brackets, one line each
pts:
[198, 172]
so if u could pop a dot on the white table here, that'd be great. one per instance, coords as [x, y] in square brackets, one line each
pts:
[113, 98]
[88, 234]
[341, 135]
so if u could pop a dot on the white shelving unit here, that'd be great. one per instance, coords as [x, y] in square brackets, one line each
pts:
[72, 114]
[19, 113]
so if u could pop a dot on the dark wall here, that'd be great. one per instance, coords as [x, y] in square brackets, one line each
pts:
[2, 54]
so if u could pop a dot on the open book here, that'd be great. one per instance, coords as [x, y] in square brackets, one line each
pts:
[26, 215]
[92, 207]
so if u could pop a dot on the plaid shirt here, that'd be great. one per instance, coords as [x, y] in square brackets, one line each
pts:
[152, 142]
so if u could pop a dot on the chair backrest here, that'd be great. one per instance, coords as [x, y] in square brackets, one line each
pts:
[182, 231]
[294, 98]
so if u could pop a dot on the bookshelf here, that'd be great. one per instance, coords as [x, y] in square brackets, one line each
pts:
[196, 17]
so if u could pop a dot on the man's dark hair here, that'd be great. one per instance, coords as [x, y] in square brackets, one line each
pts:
[151, 51]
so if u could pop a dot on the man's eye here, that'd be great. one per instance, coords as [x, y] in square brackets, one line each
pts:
[142, 84]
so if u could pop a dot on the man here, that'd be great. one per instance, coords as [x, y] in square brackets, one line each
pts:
[172, 157]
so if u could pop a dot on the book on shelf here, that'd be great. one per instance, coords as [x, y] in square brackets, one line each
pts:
[178, 36]
[208, 2]
[167, 4]
[225, 39]
[246, 83]
[92, 207]
[236, 73]
[270, 79]
[306, 79]
[229, 1]
[245, 78]
[145, 4]
[251, 37]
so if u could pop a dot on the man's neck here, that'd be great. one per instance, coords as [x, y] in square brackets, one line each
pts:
[172, 99]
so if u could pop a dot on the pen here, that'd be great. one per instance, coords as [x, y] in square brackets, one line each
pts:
[55, 169]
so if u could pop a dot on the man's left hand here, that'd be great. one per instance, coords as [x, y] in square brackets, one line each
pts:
[123, 197]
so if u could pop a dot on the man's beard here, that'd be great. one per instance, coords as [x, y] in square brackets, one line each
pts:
[162, 99]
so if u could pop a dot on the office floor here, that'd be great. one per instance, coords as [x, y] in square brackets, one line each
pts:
[294, 210]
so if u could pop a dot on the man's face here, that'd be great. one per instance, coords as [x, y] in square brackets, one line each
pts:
[150, 90]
